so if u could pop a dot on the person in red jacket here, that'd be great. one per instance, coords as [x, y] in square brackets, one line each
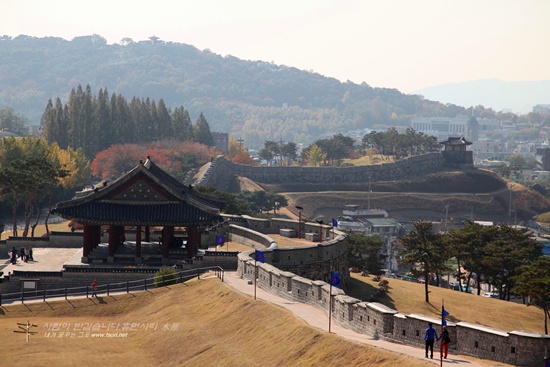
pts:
[445, 341]
[94, 288]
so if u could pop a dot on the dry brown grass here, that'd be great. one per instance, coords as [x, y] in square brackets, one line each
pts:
[216, 326]
[408, 298]
[367, 160]
[282, 242]
[40, 230]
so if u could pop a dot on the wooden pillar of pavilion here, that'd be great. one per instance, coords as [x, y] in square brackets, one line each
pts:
[193, 240]
[167, 237]
[138, 242]
[87, 240]
[147, 234]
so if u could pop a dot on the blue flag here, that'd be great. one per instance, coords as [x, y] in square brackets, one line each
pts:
[334, 222]
[444, 314]
[220, 240]
[335, 279]
[260, 256]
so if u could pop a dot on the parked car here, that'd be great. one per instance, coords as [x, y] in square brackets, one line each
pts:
[454, 286]
[466, 288]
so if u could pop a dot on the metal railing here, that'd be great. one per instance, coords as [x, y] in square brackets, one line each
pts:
[106, 289]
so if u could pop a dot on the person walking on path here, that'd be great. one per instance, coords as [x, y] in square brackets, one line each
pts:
[30, 254]
[94, 288]
[22, 254]
[430, 336]
[445, 341]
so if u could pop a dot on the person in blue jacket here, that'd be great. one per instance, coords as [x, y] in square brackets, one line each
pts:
[430, 336]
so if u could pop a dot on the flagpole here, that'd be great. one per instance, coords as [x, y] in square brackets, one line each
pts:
[255, 273]
[441, 335]
[330, 303]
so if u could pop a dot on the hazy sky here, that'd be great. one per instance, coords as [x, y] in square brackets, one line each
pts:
[403, 44]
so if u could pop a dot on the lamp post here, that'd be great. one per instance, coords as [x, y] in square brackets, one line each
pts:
[299, 220]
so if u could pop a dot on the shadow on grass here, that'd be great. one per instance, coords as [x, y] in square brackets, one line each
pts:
[367, 292]
[68, 301]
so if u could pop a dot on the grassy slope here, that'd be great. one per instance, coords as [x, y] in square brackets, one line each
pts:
[408, 298]
[466, 191]
[216, 327]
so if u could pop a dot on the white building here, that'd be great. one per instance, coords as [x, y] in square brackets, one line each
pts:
[487, 149]
[488, 126]
[442, 127]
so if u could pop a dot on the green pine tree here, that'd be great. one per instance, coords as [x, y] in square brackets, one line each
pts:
[201, 131]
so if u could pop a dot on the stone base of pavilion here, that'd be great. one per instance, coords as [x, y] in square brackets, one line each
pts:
[151, 255]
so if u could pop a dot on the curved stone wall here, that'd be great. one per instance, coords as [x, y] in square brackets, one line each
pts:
[221, 171]
[291, 273]
[313, 262]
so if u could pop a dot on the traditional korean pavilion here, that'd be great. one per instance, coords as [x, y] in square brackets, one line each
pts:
[143, 198]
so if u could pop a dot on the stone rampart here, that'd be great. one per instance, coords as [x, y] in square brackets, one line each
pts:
[296, 274]
[221, 171]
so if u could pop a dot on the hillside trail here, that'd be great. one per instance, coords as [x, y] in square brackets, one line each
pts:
[319, 319]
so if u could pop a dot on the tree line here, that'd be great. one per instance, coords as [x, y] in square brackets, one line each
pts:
[330, 151]
[94, 123]
[502, 256]
[401, 145]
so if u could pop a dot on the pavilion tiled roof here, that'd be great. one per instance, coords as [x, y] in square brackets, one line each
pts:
[455, 140]
[146, 195]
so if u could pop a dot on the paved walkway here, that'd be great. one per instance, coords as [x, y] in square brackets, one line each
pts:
[319, 319]
[45, 259]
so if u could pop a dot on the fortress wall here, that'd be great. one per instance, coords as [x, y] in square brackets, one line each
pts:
[298, 274]
[221, 171]
[249, 237]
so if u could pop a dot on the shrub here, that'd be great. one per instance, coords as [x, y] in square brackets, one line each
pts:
[166, 276]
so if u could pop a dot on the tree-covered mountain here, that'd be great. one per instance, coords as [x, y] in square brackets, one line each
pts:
[255, 100]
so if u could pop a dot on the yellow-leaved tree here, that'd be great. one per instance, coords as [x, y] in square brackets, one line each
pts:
[315, 156]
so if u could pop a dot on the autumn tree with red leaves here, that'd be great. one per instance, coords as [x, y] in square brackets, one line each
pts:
[176, 158]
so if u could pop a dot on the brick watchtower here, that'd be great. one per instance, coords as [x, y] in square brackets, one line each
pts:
[455, 152]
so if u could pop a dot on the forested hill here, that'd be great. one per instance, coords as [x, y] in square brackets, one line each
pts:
[254, 100]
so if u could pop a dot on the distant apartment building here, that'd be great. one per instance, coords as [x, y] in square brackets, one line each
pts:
[484, 149]
[542, 159]
[543, 109]
[526, 149]
[487, 127]
[443, 127]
